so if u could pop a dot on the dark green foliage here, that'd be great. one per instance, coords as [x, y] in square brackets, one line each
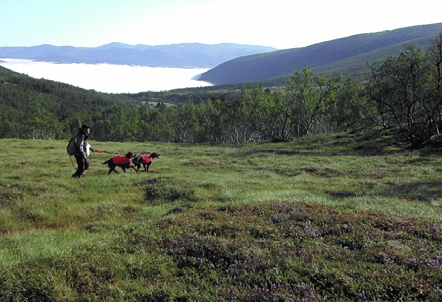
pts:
[27, 287]
[37, 108]
[405, 91]
[169, 190]
[230, 116]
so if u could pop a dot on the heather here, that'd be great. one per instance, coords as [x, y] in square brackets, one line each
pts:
[321, 218]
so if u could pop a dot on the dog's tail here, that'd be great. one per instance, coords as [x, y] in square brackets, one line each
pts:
[106, 162]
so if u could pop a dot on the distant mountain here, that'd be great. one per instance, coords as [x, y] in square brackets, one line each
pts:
[188, 55]
[347, 56]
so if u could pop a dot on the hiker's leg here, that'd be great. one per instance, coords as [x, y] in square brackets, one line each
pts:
[80, 166]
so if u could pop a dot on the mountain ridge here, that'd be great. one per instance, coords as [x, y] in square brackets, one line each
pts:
[184, 55]
[347, 56]
[230, 63]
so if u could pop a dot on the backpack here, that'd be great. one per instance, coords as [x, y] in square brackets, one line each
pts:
[72, 146]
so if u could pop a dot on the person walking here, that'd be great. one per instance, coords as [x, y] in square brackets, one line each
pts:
[82, 150]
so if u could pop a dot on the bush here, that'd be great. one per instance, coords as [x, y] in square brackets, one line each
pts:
[169, 190]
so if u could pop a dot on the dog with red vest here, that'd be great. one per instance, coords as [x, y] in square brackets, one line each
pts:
[124, 162]
[145, 160]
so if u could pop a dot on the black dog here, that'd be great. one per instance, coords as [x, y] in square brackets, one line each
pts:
[145, 160]
[124, 162]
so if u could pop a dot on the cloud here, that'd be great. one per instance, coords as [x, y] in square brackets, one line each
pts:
[109, 78]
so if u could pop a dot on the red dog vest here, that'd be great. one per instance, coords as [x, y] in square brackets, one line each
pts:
[121, 160]
[145, 158]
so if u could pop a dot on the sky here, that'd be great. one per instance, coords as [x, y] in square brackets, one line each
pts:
[281, 24]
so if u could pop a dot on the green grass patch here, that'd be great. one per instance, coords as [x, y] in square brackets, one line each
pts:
[323, 218]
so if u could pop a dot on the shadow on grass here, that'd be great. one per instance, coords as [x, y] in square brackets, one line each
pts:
[372, 142]
[417, 191]
[424, 191]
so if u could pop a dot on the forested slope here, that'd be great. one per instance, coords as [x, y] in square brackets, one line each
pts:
[26, 102]
[40, 108]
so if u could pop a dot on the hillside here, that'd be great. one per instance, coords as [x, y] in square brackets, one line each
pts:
[347, 56]
[193, 55]
[24, 99]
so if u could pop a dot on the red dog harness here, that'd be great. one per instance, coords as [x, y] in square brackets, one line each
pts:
[121, 160]
[145, 158]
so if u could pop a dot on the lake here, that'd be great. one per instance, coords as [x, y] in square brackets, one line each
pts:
[109, 78]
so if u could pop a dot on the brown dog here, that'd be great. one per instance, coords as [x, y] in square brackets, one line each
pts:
[124, 162]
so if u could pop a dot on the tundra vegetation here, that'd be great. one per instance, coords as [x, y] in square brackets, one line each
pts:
[324, 189]
[337, 217]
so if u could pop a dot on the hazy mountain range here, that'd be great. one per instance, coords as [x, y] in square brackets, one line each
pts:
[235, 63]
[187, 55]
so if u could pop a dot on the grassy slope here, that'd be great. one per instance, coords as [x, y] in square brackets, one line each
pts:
[340, 217]
[347, 56]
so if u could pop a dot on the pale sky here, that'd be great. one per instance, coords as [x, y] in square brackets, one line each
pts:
[280, 24]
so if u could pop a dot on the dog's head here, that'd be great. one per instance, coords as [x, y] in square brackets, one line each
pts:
[130, 155]
[153, 155]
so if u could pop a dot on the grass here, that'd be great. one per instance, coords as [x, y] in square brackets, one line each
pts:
[345, 217]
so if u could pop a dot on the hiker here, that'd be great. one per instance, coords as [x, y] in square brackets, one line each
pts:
[82, 150]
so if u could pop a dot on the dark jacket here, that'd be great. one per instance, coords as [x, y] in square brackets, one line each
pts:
[80, 143]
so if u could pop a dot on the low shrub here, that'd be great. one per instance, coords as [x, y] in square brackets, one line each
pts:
[169, 190]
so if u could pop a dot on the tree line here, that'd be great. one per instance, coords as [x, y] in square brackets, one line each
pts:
[403, 92]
